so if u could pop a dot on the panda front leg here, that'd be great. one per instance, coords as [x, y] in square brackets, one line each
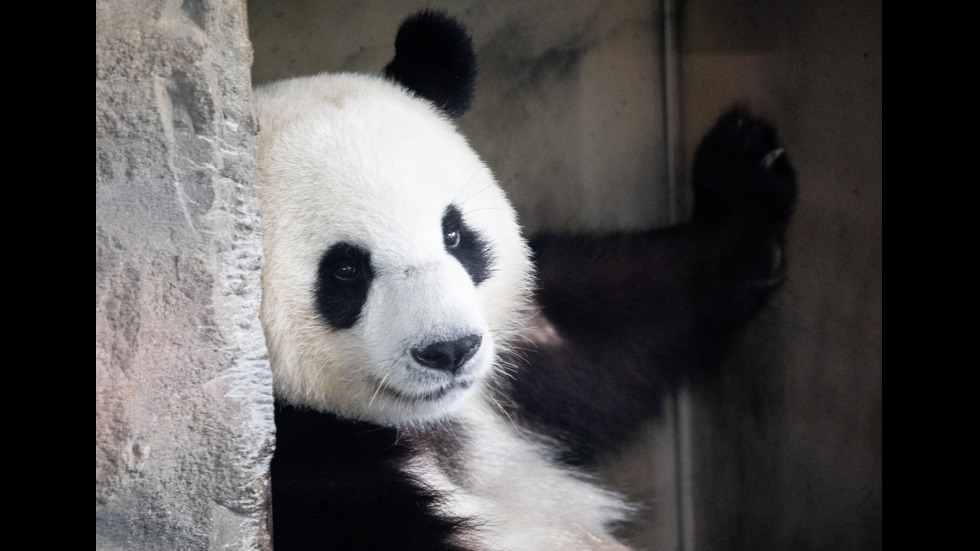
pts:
[625, 318]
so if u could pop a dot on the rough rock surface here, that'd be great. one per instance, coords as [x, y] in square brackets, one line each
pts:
[183, 400]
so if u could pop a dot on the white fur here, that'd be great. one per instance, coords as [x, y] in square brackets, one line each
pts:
[520, 498]
[354, 158]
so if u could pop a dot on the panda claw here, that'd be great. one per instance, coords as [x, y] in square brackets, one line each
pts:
[769, 158]
[742, 174]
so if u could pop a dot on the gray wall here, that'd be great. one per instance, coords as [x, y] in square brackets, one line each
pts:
[787, 443]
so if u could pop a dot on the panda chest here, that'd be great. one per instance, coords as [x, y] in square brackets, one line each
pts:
[511, 494]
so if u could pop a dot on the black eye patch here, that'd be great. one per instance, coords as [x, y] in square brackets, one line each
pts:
[466, 245]
[342, 283]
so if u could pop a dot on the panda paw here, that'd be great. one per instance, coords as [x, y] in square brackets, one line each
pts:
[742, 176]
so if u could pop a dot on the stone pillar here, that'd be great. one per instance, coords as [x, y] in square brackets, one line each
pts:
[183, 399]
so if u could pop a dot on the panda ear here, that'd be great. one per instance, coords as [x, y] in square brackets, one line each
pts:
[434, 58]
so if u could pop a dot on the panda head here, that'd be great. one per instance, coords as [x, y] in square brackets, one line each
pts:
[394, 266]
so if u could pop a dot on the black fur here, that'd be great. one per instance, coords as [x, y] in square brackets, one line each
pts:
[434, 58]
[466, 245]
[741, 176]
[343, 279]
[339, 485]
[640, 313]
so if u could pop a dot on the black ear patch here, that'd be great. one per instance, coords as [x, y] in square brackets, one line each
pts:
[434, 58]
[343, 279]
[466, 245]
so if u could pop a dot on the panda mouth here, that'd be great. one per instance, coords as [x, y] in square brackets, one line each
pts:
[430, 396]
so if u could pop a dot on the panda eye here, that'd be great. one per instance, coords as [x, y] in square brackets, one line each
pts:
[465, 245]
[451, 238]
[346, 272]
[343, 279]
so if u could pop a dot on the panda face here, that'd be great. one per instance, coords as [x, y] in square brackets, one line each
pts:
[394, 267]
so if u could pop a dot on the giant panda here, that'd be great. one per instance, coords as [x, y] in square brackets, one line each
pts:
[440, 382]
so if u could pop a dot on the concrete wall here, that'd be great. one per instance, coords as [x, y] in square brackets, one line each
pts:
[787, 440]
[183, 405]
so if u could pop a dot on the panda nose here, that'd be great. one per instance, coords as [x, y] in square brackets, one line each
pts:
[448, 355]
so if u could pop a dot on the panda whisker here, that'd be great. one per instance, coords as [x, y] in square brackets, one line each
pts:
[516, 340]
[492, 209]
[496, 402]
[527, 342]
[507, 370]
[380, 385]
[466, 187]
